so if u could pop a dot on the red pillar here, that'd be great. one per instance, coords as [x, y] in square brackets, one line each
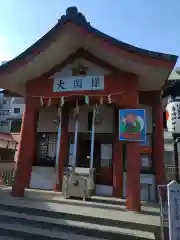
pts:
[117, 159]
[133, 177]
[26, 151]
[133, 170]
[158, 143]
[64, 147]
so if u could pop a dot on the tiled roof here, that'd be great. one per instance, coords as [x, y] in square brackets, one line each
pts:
[10, 137]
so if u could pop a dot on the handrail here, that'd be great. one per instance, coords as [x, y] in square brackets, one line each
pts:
[162, 200]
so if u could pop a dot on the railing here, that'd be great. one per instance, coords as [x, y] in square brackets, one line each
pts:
[4, 122]
[6, 177]
[162, 194]
[170, 169]
[4, 129]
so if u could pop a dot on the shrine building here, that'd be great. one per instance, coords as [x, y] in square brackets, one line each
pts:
[64, 76]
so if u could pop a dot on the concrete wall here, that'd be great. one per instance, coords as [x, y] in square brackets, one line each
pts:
[6, 165]
[43, 178]
[106, 126]
[45, 120]
[17, 104]
[47, 115]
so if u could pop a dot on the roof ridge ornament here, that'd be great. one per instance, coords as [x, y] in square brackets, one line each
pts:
[72, 14]
[80, 70]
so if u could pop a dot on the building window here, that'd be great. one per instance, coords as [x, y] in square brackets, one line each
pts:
[16, 110]
[46, 151]
[16, 126]
[4, 115]
[90, 119]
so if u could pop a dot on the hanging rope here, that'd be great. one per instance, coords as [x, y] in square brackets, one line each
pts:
[76, 132]
[59, 111]
[92, 140]
[78, 94]
[61, 104]
[77, 108]
[75, 113]
[97, 115]
[49, 102]
[101, 100]
[62, 101]
[58, 146]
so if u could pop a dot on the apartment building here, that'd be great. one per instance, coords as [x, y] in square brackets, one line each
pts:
[11, 109]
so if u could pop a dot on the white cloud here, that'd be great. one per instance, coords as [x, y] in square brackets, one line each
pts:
[4, 57]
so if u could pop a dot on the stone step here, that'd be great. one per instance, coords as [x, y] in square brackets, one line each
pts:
[21, 231]
[66, 229]
[102, 215]
[77, 225]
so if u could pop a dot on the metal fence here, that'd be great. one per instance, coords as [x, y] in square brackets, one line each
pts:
[6, 177]
[162, 194]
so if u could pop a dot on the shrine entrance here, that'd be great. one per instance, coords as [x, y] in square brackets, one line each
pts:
[102, 164]
[74, 59]
[101, 152]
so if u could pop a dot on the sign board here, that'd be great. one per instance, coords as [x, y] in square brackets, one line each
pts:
[78, 83]
[173, 116]
[132, 125]
[174, 210]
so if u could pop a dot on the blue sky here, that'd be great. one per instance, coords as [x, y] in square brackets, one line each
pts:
[151, 24]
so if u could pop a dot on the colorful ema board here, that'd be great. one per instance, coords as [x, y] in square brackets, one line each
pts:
[132, 125]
